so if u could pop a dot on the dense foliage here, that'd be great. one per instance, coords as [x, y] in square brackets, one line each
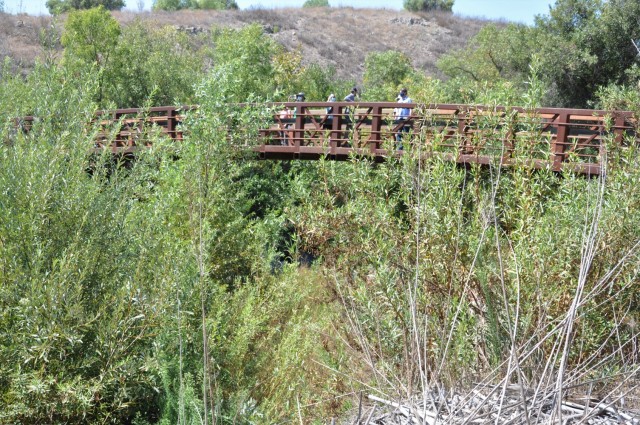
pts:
[427, 5]
[316, 3]
[172, 5]
[581, 44]
[57, 7]
[194, 284]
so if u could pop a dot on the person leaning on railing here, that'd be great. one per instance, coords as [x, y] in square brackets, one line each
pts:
[400, 117]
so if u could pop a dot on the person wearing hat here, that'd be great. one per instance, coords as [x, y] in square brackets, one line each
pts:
[401, 116]
[299, 98]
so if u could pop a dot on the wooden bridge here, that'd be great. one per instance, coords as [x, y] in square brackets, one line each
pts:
[552, 138]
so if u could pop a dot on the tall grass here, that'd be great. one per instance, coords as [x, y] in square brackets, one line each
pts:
[475, 278]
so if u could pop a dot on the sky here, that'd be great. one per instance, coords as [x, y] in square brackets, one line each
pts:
[512, 10]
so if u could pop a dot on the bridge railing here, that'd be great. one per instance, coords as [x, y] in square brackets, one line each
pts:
[548, 137]
[552, 138]
[124, 130]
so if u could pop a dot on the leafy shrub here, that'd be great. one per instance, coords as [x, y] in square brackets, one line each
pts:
[172, 5]
[57, 7]
[316, 3]
[245, 57]
[426, 5]
[143, 69]
[82, 326]
[385, 72]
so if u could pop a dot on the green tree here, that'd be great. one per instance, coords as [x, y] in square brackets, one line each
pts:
[152, 64]
[592, 47]
[245, 58]
[492, 54]
[316, 3]
[216, 4]
[568, 17]
[426, 5]
[170, 5]
[90, 38]
[75, 339]
[384, 73]
[57, 7]
[623, 97]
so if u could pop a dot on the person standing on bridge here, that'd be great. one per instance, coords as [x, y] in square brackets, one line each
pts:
[327, 124]
[347, 112]
[300, 97]
[351, 97]
[328, 121]
[286, 117]
[400, 117]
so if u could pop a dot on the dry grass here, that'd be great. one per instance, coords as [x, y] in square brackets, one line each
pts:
[20, 37]
[544, 377]
[339, 37]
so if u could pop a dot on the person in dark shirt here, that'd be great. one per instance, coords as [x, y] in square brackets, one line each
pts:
[351, 97]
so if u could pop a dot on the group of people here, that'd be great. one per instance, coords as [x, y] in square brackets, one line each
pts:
[400, 115]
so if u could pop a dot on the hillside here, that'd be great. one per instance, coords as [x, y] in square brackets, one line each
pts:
[339, 37]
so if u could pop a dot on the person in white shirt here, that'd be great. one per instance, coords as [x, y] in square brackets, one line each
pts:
[401, 116]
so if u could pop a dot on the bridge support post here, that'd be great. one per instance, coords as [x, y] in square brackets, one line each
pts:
[509, 143]
[463, 143]
[336, 124]
[376, 128]
[618, 129]
[298, 133]
[171, 124]
[559, 145]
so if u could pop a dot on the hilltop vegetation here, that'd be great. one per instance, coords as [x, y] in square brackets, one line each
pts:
[198, 285]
